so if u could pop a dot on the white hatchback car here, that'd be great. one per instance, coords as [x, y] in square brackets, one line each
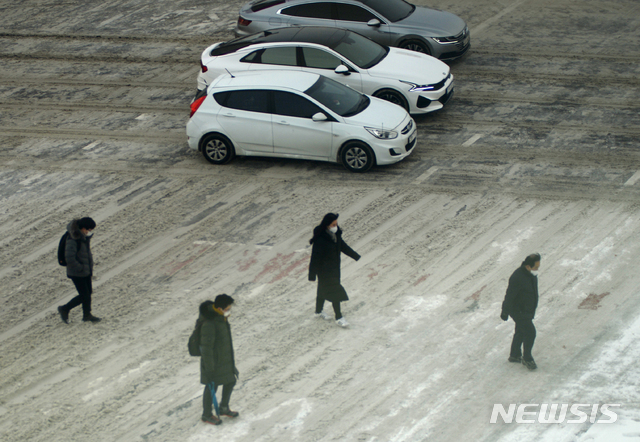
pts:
[418, 82]
[292, 114]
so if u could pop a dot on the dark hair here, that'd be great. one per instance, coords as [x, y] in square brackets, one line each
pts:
[86, 223]
[223, 301]
[531, 259]
[324, 225]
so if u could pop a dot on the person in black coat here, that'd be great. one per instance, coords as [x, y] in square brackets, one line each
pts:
[328, 246]
[79, 267]
[217, 362]
[520, 302]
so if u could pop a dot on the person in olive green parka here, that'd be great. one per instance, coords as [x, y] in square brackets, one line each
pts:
[217, 363]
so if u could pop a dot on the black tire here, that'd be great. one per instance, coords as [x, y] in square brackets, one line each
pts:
[415, 45]
[217, 149]
[357, 157]
[392, 96]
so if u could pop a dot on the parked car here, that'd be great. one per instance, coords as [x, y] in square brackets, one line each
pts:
[388, 22]
[290, 114]
[417, 82]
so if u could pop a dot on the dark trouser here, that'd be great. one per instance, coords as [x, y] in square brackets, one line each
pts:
[336, 307]
[524, 336]
[207, 399]
[83, 285]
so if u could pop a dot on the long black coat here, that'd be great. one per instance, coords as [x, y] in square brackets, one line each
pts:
[77, 252]
[325, 264]
[521, 299]
[217, 363]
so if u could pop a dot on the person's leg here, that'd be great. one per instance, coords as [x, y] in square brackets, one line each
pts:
[516, 343]
[206, 402]
[86, 301]
[80, 288]
[528, 339]
[319, 303]
[336, 309]
[227, 389]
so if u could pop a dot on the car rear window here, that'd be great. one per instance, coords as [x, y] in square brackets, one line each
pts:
[393, 10]
[264, 4]
[310, 10]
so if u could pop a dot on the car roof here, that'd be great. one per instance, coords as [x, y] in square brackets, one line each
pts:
[305, 34]
[297, 80]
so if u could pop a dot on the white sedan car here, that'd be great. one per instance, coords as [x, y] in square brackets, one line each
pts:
[418, 82]
[292, 114]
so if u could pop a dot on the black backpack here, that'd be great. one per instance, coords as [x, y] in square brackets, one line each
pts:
[194, 340]
[62, 260]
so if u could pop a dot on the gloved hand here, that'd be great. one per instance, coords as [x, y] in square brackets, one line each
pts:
[504, 316]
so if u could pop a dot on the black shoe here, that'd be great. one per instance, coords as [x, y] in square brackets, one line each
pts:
[228, 413]
[64, 314]
[91, 318]
[213, 420]
[531, 365]
[517, 359]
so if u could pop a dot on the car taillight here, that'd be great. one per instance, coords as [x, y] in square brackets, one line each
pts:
[204, 68]
[196, 104]
[243, 21]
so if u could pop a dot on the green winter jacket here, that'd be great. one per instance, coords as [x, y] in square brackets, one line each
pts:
[217, 363]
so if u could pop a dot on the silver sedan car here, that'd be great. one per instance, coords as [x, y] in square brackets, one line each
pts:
[389, 22]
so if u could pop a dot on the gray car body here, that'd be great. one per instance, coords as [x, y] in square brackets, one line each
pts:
[422, 26]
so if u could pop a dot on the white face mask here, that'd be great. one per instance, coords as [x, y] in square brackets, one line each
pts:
[89, 234]
[227, 313]
[333, 229]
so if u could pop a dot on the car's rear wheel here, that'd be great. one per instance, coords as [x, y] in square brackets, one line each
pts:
[415, 45]
[392, 96]
[217, 149]
[357, 157]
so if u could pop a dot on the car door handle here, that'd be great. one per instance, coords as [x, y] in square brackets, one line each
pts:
[284, 123]
[229, 115]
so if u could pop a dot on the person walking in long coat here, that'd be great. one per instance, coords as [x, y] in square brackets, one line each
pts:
[520, 302]
[328, 246]
[217, 362]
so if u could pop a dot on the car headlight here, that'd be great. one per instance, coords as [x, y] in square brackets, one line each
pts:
[414, 87]
[383, 134]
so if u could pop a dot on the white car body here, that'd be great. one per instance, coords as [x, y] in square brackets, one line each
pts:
[425, 82]
[273, 135]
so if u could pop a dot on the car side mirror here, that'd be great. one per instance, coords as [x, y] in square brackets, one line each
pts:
[319, 117]
[374, 22]
[342, 69]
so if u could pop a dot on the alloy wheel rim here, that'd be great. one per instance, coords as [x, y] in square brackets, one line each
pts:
[356, 158]
[216, 150]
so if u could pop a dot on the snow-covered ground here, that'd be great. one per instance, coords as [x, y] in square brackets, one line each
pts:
[529, 156]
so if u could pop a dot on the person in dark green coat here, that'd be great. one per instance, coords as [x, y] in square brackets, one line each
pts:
[217, 363]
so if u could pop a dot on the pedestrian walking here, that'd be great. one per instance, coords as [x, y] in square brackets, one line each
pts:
[328, 246]
[79, 262]
[217, 362]
[520, 302]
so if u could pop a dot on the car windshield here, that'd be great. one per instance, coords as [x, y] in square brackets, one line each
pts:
[360, 50]
[393, 10]
[341, 99]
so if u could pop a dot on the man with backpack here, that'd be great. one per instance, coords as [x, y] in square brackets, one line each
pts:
[79, 263]
[217, 363]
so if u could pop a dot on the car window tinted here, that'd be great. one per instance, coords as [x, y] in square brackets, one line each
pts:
[310, 10]
[292, 105]
[353, 13]
[253, 100]
[360, 50]
[280, 56]
[393, 10]
[319, 59]
[339, 98]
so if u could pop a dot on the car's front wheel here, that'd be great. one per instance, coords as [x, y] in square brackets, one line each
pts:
[392, 96]
[415, 45]
[357, 157]
[217, 149]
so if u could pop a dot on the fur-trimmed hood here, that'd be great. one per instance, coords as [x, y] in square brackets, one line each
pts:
[74, 230]
[207, 311]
